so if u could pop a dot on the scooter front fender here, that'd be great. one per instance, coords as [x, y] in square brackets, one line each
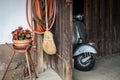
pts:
[85, 48]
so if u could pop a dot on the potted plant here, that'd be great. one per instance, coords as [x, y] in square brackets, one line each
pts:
[21, 38]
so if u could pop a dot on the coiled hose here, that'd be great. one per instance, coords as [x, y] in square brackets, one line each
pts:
[37, 12]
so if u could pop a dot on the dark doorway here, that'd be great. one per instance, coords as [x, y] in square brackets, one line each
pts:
[78, 7]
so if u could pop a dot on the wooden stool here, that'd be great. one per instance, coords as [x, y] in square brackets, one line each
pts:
[26, 51]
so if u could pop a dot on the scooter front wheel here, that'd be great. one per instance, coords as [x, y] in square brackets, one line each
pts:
[84, 63]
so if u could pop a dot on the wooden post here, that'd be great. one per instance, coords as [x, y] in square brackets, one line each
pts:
[39, 68]
[68, 71]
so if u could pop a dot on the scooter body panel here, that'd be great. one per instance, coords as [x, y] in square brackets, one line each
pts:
[84, 48]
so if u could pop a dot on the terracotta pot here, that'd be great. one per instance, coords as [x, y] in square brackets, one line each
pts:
[21, 43]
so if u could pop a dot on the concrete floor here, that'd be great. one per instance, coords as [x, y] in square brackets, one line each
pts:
[106, 68]
[49, 75]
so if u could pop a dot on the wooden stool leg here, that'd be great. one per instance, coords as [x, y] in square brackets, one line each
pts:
[32, 64]
[8, 65]
[28, 64]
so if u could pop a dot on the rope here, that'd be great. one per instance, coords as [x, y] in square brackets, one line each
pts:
[46, 9]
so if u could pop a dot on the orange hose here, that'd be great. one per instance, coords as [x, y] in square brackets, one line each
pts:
[37, 9]
[40, 28]
[49, 8]
[54, 16]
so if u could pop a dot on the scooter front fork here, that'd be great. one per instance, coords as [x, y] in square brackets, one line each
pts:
[87, 57]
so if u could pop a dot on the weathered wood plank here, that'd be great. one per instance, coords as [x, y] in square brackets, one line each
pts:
[40, 65]
[63, 37]
[103, 24]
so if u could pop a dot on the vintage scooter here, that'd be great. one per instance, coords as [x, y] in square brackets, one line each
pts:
[84, 59]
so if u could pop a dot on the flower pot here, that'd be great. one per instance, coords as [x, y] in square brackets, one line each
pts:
[21, 43]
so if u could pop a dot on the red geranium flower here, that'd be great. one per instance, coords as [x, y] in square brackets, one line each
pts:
[21, 34]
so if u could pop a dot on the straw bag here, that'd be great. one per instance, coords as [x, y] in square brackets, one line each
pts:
[48, 43]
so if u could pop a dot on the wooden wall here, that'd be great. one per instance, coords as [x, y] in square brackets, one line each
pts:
[62, 62]
[100, 25]
[116, 24]
[63, 38]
